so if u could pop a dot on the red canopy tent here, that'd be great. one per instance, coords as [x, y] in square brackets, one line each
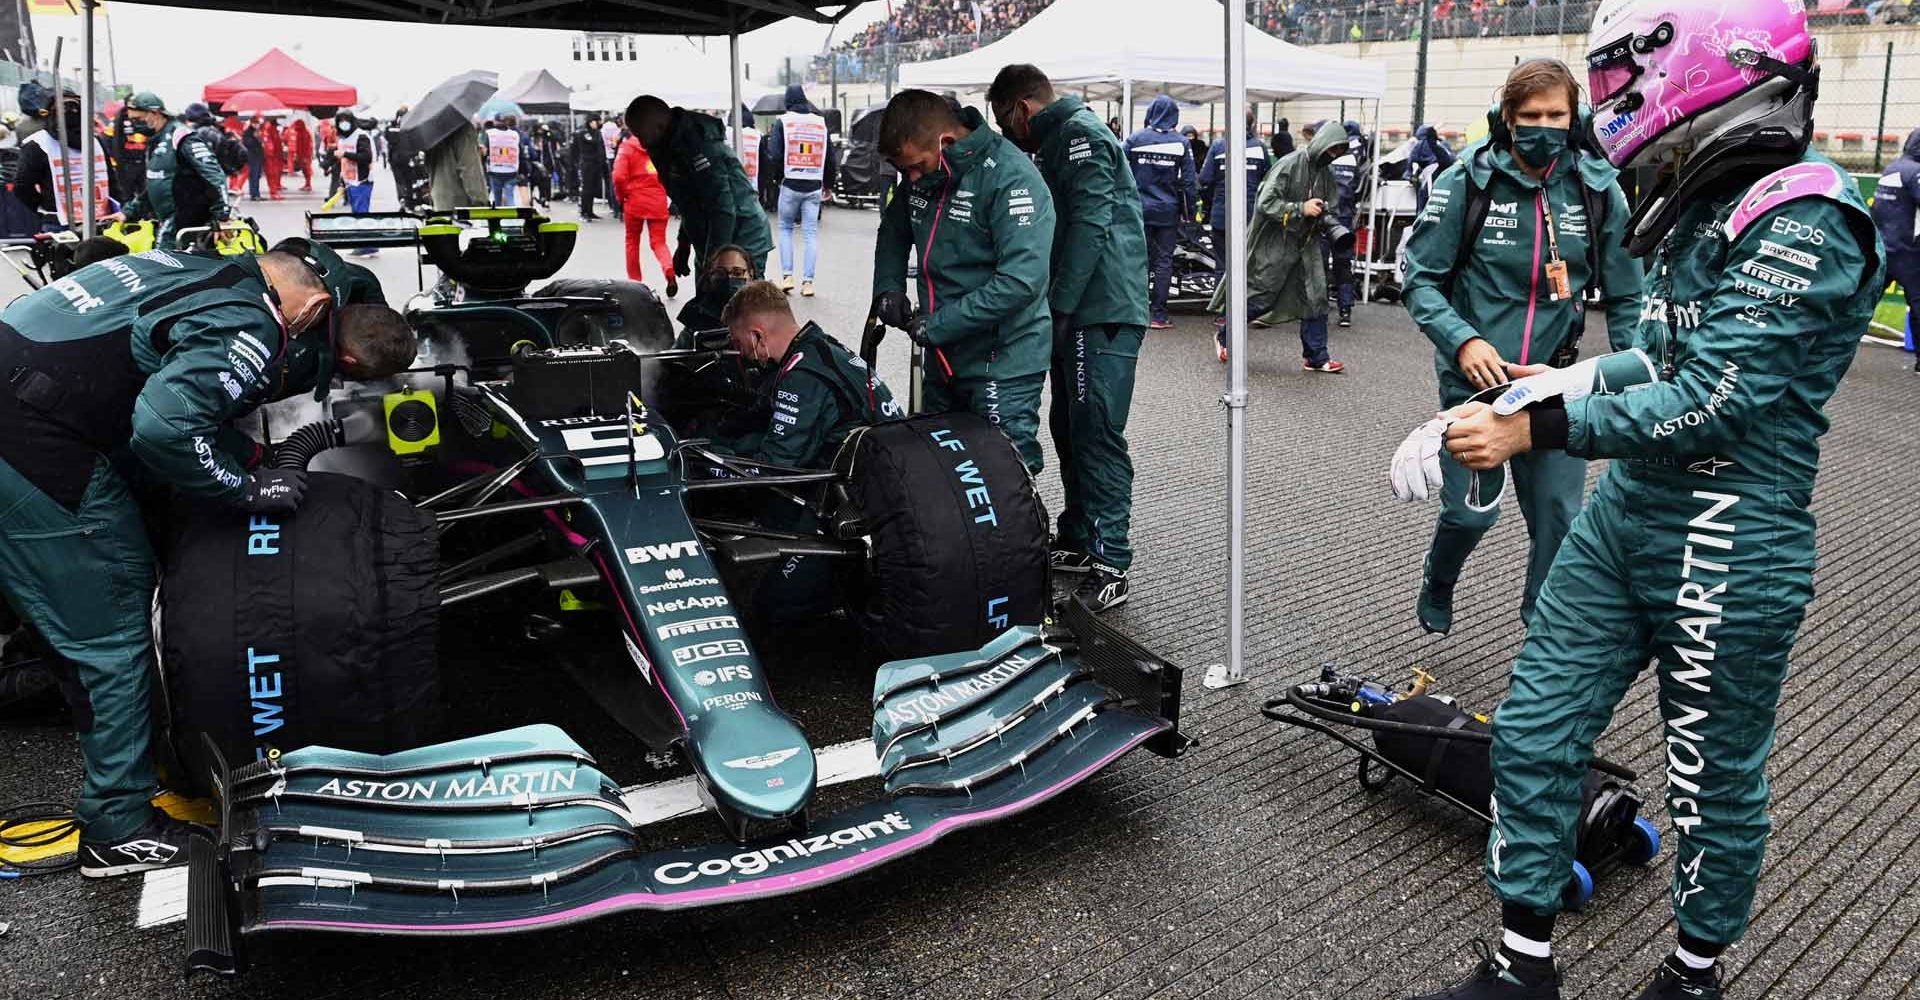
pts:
[280, 75]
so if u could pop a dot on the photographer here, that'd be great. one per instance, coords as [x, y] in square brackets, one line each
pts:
[1286, 269]
[1497, 268]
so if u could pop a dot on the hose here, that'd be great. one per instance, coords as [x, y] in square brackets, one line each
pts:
[23, 813]
[300, 447]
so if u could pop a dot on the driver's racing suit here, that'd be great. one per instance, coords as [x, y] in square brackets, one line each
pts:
[134, 363]
[1696, 551]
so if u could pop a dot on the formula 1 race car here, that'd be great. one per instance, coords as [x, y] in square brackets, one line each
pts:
[547, 461]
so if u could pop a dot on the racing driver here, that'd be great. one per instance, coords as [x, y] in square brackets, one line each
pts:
[127, 371]
[1696, 551]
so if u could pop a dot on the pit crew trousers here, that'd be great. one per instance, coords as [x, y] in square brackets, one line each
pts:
[1011, 404]
[1093, 371]
[84, 578]
[1548, 485]
[1707, 578]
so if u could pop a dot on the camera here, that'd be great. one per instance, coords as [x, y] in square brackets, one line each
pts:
[1339, 237]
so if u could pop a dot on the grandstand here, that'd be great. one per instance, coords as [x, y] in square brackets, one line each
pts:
[918, 30]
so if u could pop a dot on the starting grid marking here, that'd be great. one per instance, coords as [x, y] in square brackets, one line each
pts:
[163, 893]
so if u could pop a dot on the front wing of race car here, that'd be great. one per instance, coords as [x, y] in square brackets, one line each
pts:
[520, 830]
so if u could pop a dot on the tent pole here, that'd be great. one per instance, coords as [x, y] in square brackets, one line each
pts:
[1234, 670]
[1374, 236]
[1126, 105]
[88, 142]
[733, 81]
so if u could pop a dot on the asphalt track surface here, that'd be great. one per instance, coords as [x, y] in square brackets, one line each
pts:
[1253, 867]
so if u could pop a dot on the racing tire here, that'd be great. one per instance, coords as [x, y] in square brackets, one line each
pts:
[274, 632]
[641, 317]
[957, 535]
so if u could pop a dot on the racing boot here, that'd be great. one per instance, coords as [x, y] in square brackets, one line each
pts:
[1673, 980]
[1104, 589]
[1070, 561]
[1504, 975]
[1435, 607]
[161, 842]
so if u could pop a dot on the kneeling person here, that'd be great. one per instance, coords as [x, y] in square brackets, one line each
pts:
[816, 391]
[814, 395]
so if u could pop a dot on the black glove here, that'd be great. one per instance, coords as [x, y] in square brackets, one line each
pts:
[681, 264]
[916, 330]
[275, 491]
[895, 309]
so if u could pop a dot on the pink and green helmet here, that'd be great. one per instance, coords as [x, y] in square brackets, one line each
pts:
[1663, 73]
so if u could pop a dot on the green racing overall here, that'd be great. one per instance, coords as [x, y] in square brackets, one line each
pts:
[983, 225]
[1499, 292]
[1100, 309]
[1696, 551]
[128, 367]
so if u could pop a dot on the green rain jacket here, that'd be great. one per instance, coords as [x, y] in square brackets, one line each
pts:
[983, 224]
[1099, 238]
[1503, 295]
[1755, 307]
[1285, 267]
[818, 395]
[172, 148]
[207, 345]
[717, 204]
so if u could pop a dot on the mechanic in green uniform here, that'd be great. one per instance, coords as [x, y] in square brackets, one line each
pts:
[125, 372]
[1512, 290]
[1099, 309]
[177, 200]
[717, 203]
[980, 215]
[1696, 551]
[816, 393]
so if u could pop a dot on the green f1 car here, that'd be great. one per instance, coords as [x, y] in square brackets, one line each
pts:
[551, 445]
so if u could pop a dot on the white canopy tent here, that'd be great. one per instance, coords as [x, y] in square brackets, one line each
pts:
[1110, 47]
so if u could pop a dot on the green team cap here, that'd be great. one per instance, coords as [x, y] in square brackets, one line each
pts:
[146, 100]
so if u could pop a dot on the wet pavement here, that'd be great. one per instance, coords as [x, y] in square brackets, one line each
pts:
[1255, 866]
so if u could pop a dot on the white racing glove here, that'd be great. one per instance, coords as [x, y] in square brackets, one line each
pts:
[1416, 464]
[1416, 474]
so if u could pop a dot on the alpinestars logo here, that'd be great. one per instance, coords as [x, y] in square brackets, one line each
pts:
[1691, 870]
[759, 862]
[148, 852]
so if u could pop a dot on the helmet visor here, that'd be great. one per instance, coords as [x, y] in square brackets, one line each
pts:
[1611, 69]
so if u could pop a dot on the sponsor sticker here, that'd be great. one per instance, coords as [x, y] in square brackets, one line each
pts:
[717, 650]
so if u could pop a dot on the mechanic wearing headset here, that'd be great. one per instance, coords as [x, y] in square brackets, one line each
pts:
[1100, 315]
[1512, 290]
[815, 393]
[717, 204]
[982, 219]
[1696, 551]
[133, 368]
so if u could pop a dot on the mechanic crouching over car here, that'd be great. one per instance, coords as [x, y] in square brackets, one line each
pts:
[124, 376]
[816, 393]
